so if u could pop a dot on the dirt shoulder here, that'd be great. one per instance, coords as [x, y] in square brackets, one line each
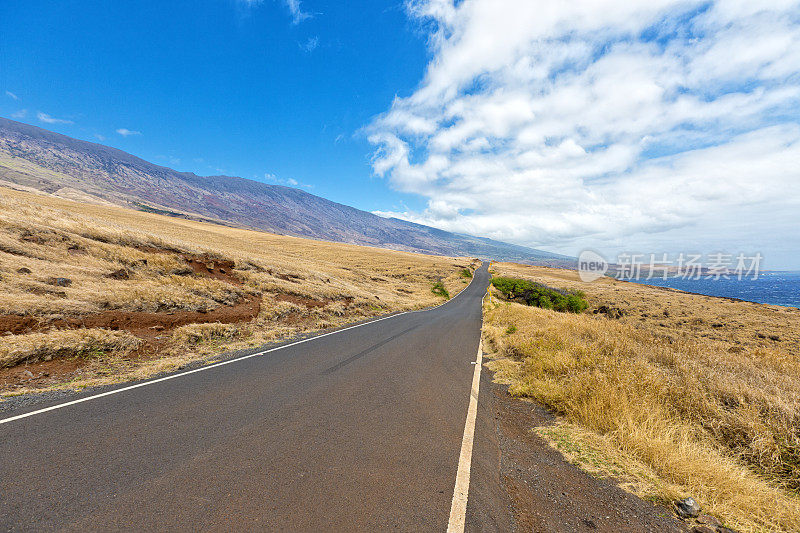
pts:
[547, 493]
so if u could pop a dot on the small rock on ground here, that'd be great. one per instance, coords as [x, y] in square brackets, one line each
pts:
[687, 508]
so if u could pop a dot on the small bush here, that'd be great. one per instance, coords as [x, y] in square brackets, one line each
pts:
[511, 329]
[466, 273]
[439, 290]
[538, 295]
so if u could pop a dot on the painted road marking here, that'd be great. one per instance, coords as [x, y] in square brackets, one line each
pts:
[173, 376]
[215, 365]
[458, 508]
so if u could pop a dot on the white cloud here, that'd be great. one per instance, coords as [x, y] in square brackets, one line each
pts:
[99, 137]
[169, 159]
[125, 132]
[22, 113]
[12, 95]
[288, 182]
[311, 44]
[47, 119]
[294, 7]
[603, 124]
[298, 15]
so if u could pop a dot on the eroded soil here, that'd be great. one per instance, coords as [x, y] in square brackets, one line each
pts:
[154, 328]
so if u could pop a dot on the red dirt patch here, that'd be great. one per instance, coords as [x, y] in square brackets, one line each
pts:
[39, 374]
[203, 265]
[139, 323]
[153, 328]
[18, 324]
[207, 266]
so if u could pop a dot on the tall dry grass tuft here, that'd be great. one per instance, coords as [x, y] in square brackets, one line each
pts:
[192, 334]
[16, 349]
[721, 425]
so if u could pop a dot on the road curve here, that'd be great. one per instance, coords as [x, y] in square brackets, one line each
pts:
[360, 430]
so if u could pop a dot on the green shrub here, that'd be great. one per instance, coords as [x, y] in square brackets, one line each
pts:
[576, 303]
[538, 295]
[511, 329]
[439, 290]
[466, 273]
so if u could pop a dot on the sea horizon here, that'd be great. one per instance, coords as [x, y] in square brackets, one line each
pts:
[774, 287]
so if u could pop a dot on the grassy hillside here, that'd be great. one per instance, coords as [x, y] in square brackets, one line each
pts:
[96, 293]
[36, 159]
[672, 393]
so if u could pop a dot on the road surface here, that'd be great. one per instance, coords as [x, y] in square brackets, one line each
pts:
[359, 430]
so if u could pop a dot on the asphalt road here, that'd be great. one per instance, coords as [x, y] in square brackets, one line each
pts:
[356, 431]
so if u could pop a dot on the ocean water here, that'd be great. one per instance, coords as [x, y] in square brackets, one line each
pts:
[777, 288]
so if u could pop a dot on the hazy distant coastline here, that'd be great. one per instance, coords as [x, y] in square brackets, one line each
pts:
[774, 288]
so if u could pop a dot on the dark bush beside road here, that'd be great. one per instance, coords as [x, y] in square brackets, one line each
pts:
[538, 295]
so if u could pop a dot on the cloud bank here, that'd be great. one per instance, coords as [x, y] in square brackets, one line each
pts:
[615, 125]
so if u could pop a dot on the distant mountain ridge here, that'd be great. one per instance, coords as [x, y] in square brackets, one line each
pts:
[32, 157]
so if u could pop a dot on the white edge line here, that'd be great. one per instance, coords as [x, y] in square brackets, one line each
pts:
[222, 363]
[458, 507]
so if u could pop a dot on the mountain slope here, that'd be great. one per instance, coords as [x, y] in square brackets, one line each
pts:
[31, 157]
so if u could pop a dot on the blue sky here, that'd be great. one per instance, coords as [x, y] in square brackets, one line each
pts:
[239, 86]
[665, 126]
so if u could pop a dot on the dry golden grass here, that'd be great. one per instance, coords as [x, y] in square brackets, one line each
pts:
[192, 334]
[104, 239]
[675, 313]
[681, 392]
[66, 343]
[44, 237]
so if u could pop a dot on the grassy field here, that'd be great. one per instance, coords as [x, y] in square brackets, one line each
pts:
[94, 294]
[673, 394]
